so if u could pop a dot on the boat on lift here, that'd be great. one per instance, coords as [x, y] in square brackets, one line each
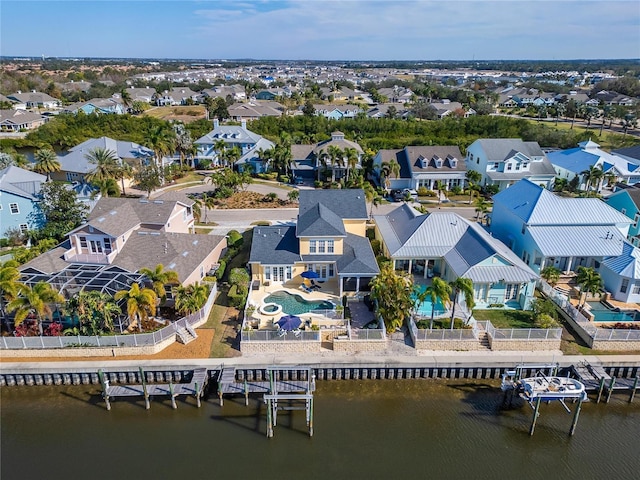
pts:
[550, 388]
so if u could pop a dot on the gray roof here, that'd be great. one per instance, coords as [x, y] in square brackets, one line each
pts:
[500, 149]
[33, 97]
[346, 204]
[357, 257]
[629, 152]
[537, 206]
[301, 152]
[230, 134]
[76, 161]
[411, 160]
[274, 246]
[21, 182]
[464, 245]
[319, 221]
[19, 116]
[577, 241]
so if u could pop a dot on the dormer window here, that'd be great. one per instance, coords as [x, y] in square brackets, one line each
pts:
[423, 162]
[437, 161]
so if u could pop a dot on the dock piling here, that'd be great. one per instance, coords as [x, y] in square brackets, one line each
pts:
[535, 415]
[576, 414]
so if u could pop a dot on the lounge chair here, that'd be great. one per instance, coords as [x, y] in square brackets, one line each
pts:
[314, 284]
[281, 332]
[297, 332]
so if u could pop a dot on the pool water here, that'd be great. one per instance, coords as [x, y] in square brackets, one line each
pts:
[296, 305]
[424, 309]
[601, 313]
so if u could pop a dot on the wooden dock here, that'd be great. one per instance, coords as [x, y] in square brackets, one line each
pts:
[595, 379]
[195, 387]
[297, 393]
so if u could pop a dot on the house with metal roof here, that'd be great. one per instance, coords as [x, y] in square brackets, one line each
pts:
[329, 238]
[130, 234]
[424, 166]
[545, 229]
[313, 161]
[74, 165]
[505, 161]
[573, 162]
[627, 202]
[621, 274]
[19, 190]
[446, 245]
[249, 143]
[98, 106]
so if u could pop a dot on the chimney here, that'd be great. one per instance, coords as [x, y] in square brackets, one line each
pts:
[244, 124]
[216, 123]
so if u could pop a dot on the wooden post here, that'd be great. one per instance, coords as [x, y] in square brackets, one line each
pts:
[633, 390]
[105, 388]
[610, 391]
[274, 404]
[197, 395]
[311, 417]
[575, 417]
[269, 423]
[535, 416]
[600, 390]
[147, 405]
[220, 390]
[173, 398]
[246, 393]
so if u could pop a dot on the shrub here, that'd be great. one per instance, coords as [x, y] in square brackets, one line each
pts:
[223, 192]
[544, 307]
[317, 184]
[376, 246]
[546, 321]
[457, 190]
[239, 276]
[237, 296]
[234, 239]
[221, 268]
[422, 191]
[284, 179]
[496, 305]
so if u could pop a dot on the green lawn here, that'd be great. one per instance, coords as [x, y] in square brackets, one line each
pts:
[506, 318]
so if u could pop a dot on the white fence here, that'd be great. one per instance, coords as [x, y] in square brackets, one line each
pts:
[129, 340]
[523, 333]
[591, 330]
[446, 334]
[361, 334]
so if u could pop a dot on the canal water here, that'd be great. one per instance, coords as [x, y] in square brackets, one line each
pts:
[409, 429]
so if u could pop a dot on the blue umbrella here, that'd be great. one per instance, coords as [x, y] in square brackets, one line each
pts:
[309, 274]
[289, 322]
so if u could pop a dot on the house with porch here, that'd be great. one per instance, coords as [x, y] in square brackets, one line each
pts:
[504, 161]
[573, 162]
[544, 229]
[249, 143]
[329, 238]
[313, 161]
[129, 234]
[424, 166]
[20, 120]
[19, 198]
[627, 202]
[33, 99]
[446, 245]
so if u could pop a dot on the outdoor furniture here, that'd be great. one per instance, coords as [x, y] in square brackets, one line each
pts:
[297, 332]
[314, 284]
[281, 332]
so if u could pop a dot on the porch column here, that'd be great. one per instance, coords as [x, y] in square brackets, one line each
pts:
[410, 266]
[569, 264]
[544, 259]
[357, 284]
[340, 281]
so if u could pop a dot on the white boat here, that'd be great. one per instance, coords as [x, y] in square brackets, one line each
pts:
[551, 388]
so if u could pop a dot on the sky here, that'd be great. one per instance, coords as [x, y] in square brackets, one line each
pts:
[323, 29]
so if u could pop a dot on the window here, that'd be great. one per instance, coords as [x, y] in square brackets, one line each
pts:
[329, 246]
[635, 220]
[625, 286]
[623, 211]
[312, 246]
[636, 288]
[321, 246]
[14, 208]
[509, 166]
[24, 227]
[524, 228]
[83, 242]
[496, 165]
[267, 273]
[107, 244]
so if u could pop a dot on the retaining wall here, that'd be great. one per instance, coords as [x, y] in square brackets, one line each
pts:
[524, 345]
[457, 345]
[279, 346]
[616, 346]
[357, 346]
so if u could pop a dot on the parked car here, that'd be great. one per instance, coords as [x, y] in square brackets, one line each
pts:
[404, 194]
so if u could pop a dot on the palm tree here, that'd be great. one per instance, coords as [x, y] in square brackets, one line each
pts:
[35, 300]
[293, 195]
[473, 179]
[107, 187]
[335, 156]
[220, 146]
[482, 207]
[204, 204]
[393, 295]
[184, 142]
[159, 277]
[351, 155]
[589, 281]
[95, 311]
[10, 286]
[591, 176]
[191, 298]
[438, 290]
[464, 286]
[551, 274]
[46, 162]
[126, 98]
[107, 165]
[162, 141]
[141, 302]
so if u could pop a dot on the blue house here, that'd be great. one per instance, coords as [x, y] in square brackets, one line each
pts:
[621, 274]
[447, 245]
[545, 229]
[627, 202]
[19, 189]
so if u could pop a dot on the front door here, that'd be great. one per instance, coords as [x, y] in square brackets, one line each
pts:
[96, 246]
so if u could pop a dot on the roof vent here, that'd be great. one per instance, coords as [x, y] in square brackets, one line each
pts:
[158, 201]
[184, 254]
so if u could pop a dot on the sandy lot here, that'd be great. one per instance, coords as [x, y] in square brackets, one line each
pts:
[199, 348]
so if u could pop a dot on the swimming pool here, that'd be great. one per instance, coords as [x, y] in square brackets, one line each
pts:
[424, 309]
[601, 313]
[295, 304]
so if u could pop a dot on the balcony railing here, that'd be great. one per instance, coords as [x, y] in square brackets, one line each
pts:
[97, 258]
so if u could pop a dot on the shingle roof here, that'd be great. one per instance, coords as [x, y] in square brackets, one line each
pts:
[357, 257]
[500, 149]
[538, 206]
[230, 134]
[346, 204]
[274, 246]
[21, 182]
[76, 161]
[319, 221]
[411, 159]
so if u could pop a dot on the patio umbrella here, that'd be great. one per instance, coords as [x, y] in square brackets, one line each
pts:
[309, 274]
[289, 322]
